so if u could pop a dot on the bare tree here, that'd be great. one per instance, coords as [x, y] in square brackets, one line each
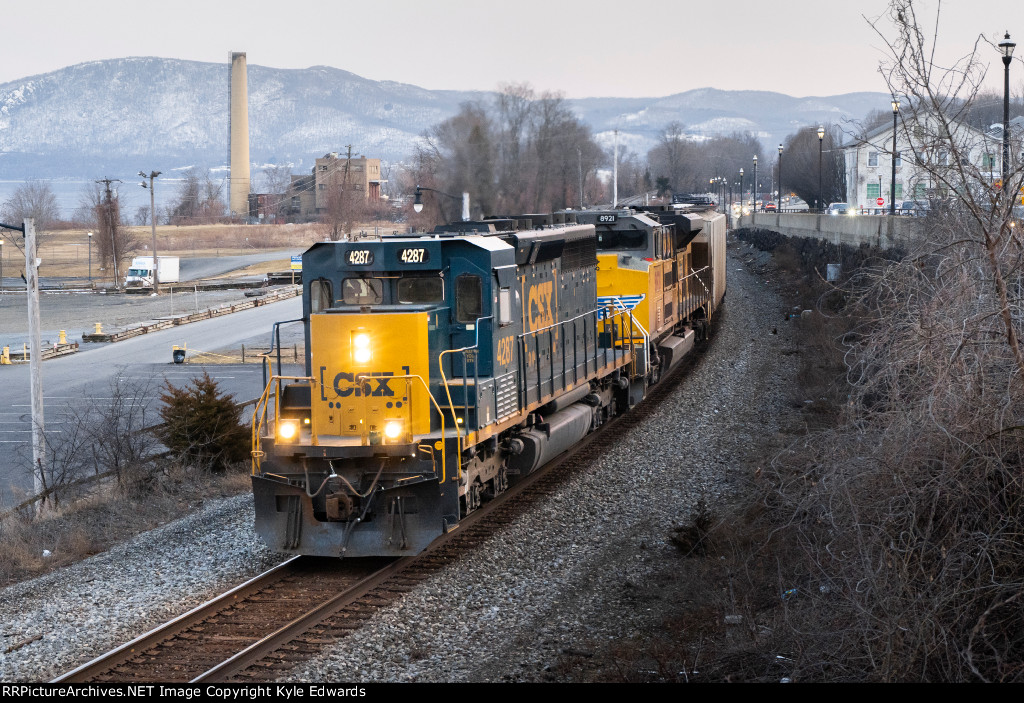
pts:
[908, 517]
[33, 199]
[689, 166]
[801, 164]
[200, 199]
[276, 182]
[102, 437]
[113, 241]
[524, 153]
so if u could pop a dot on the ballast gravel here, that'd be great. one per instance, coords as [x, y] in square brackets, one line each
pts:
[561, 579]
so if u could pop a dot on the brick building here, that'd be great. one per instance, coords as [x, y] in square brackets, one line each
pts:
[332, 174]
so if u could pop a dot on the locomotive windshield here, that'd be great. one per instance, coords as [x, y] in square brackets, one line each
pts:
[362, 291]
[621, 239]
[420, 289]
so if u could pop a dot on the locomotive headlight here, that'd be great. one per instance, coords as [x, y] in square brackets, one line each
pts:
[361, 352]
[393, 429]
[287, 429]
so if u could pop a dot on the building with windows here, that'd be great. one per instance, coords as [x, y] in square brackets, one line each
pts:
[922, 149]
[358, 177]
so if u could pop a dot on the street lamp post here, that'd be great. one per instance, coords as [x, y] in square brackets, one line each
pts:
[1006, 47]
[90, 258]
[741, 191]
[1, 264]
[417, 205]
[755, 182]
[892, 187]
[152, 214]
[821, 197]
[778, 208]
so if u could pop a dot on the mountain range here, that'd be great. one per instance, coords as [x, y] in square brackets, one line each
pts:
[117, 116]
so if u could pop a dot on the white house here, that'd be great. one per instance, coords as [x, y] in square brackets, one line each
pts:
[921, 150]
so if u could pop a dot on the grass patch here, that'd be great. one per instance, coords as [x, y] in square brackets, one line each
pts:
[34, 545]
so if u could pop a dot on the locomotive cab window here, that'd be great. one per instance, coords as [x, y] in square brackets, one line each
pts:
[420, 289]
[362, 291]
[468, 298]
[319, 295]
[621, 239]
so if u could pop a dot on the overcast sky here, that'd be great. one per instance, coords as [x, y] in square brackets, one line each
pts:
[584, 48]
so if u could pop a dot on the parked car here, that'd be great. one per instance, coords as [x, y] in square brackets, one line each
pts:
[839, 209]
[913, 208]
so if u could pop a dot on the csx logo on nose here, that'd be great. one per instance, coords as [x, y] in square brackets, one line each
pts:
[375, 385]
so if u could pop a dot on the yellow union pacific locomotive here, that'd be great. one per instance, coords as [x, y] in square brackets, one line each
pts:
[441, 367]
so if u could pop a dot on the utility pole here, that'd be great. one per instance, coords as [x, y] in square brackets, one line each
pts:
[108, 222]
[345, 196]
[152, 214]
[615, 173]
[35, 357]
[579, 165]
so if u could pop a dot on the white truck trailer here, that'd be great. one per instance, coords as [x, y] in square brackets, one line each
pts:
[141, 271]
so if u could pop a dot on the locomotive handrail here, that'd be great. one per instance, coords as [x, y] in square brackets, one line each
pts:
[700, 300]
[260, 411]
[444, 464]
[643, 332]
[451, 403]
[593, 315]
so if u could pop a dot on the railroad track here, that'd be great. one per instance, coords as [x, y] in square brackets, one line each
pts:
[263, 628]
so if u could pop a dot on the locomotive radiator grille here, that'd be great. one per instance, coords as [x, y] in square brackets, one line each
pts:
[507, 395]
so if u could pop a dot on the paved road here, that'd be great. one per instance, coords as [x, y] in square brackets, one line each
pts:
[190, 269]
[85, 379]
[207, 267]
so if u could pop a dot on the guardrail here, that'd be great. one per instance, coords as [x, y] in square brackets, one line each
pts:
[184, 319]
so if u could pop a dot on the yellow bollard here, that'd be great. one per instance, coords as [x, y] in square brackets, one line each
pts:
[5, 356]
[62, 337]
[99, 328]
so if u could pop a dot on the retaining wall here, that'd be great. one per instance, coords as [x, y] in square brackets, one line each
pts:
[882, 231]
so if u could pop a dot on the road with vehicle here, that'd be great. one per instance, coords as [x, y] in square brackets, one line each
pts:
[85, 379]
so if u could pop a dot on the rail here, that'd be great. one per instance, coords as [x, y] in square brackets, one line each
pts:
[261, 422]
[469, 354]
[595, 323]
[259, 415]
[693, 301]
[409, 435]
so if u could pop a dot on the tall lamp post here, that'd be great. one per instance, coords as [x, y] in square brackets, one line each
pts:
[418, 202]
[892, 186]
[778, 209]
[755, 183]
[1006, 47]
[1, 264]
[821, 138]
[90, 258]
[152, 214]
[741, 191]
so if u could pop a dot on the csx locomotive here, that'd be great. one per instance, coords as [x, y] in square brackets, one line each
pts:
[441, 367]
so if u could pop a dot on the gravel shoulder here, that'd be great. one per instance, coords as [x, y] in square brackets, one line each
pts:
[573, 575]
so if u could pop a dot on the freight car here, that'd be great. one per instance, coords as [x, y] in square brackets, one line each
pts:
[441, 367]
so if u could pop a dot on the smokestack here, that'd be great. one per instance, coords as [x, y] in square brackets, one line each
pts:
[239, 136]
